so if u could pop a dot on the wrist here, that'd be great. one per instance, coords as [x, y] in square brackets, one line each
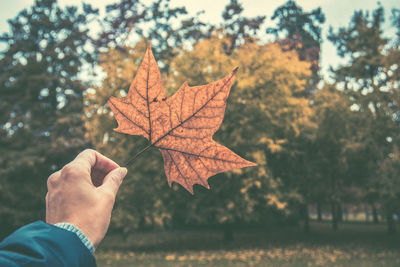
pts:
[72, 228]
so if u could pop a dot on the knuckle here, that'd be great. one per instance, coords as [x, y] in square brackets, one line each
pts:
[88, 151]
[68, 170]
[115, 179]
[51, 181]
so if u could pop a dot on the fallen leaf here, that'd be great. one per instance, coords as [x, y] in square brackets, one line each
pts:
[180, 126]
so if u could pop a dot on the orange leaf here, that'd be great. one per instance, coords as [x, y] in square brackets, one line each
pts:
[180, 126]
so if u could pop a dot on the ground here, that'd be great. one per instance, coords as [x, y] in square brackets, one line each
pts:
[355, 244]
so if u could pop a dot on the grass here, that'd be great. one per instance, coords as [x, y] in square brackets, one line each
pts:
[353, 245]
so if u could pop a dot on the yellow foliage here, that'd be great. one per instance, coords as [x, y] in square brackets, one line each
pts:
[278, 255]
[274, 200]
[259, 157]
[230, 205]
[237, 171]
[257, 184]
[170, 257]
[262, 172]
[269, 79]
[264, 109]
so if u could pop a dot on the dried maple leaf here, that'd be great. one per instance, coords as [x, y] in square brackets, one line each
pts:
[180, 126]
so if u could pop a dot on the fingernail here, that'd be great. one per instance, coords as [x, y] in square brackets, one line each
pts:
[123, 172]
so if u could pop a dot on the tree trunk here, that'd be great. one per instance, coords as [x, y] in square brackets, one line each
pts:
[366, 215]
[391, 227]
[346, 214]
[334, 201]
[339, 212]
[375, 214]
[319, 211]
[334, 216]
[306, 219]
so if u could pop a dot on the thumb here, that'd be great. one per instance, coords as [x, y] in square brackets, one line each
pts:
[113, 180]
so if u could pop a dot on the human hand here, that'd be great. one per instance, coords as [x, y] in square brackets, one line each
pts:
[83, 193]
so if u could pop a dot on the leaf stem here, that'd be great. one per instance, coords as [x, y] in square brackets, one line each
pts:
[138, 154]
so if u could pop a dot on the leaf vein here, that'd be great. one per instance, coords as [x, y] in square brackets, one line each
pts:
[141, 127]
[199, 156]
[177, 167]
[194, 114]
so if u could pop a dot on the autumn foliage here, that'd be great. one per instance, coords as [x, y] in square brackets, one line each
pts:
[262, 112]
[180, 126]
[322, 145]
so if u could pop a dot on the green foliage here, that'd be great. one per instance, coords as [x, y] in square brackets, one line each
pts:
[333, 145]
[370, 80]
[41, 103]
[293, 21]
[164, 26]
[300, 30]
[237, 28]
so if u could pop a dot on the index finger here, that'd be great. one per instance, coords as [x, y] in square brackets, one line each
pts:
[91, 159]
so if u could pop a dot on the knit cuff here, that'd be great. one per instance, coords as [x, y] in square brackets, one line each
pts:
[79, 233]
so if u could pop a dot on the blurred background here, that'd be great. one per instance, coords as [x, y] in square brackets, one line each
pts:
[316, 104]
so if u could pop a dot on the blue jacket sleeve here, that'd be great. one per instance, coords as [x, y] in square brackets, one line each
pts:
[41, 244]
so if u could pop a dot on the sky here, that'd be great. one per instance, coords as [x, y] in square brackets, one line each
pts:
[337, 12]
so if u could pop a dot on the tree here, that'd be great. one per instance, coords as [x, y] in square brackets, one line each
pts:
[166, 27]
[338, 161]
[394, 49]
[301, 31]
[389, 187]
[41, 102]
[264, 107]
[239, 29]
[370, 80]
[261, 107]
[169, 27]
